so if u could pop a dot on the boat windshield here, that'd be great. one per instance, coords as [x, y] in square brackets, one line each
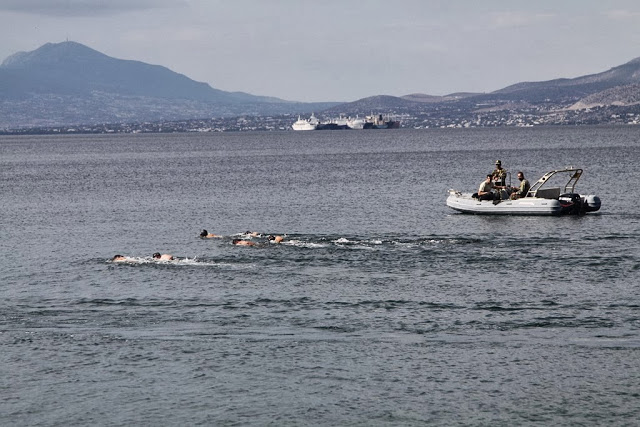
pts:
[562, 181]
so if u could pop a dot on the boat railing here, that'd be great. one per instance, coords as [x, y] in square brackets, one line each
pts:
[536, 189]
[571, 184]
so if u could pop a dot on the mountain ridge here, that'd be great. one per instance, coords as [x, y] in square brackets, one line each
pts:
[561, 93]
[71, 67]
[70, 83]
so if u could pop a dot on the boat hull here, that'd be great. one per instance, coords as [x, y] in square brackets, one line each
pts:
[463, 202]
[303, 126]
[355, 124]
[309, 124]
[331, 126]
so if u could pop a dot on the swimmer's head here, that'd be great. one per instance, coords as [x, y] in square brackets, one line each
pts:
[118, 257]
[156, 255]
[203, 233]
[235, 241]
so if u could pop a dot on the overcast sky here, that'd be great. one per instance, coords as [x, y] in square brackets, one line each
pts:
[341, 50]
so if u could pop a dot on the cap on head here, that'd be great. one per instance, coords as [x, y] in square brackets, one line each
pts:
[498, 162]
[204, 233]
[156, 255]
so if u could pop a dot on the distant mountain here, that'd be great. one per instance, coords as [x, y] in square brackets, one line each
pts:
[386, 103]
[566, 90]
[615, 87]
[71, 68]
[72, 83]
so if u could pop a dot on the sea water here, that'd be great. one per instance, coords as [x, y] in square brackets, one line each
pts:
[382, 306]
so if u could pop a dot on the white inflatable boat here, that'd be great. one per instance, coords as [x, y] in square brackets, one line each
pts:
[546, 197]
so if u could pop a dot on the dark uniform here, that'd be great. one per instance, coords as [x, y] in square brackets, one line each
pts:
[499, 174]
[523, 190]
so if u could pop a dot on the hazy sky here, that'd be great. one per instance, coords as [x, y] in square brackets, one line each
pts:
[332, 50]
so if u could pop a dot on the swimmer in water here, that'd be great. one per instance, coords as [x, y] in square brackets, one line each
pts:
[252, 233]
[241, 242]
[204, 234]
[276, 239]
[119, 258]
[162, 257]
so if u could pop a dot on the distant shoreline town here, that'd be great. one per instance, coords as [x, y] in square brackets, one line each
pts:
[609, 115]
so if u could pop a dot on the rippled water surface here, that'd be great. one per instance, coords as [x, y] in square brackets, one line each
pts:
[381, 307]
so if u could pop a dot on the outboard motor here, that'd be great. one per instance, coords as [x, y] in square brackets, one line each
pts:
[592, 203]
[572, 203]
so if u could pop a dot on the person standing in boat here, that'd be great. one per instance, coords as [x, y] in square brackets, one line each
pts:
[499, 174]
[521, 191]
[485, 192]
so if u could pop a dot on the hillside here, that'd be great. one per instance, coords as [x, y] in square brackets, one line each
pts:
[71, 68]
[421, 97]
[570, 90]
[558, 101]
[374, 104]
[69, 83]
[620, 96]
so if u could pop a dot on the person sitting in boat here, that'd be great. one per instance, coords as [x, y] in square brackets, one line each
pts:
[204, 234]
[499, 174]
[518, 192]
[485, 192]
[162, 257]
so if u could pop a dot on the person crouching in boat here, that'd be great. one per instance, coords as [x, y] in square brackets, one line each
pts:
[485, 192]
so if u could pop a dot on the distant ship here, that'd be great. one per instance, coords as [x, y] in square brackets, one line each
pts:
[306, 124]
[356, 123]
[334, 124]
[369, 122]
[379, 122]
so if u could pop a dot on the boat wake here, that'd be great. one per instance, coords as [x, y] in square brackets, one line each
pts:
[195, 261]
